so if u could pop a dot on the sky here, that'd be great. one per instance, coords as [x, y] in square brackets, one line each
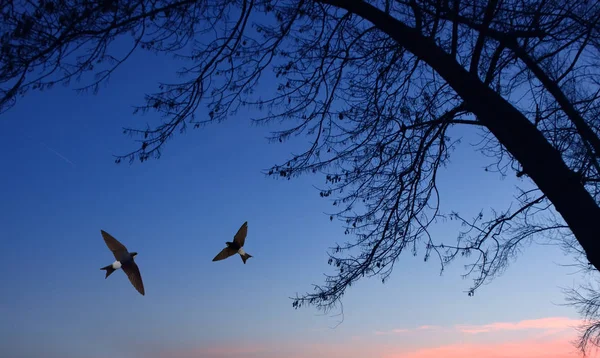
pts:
[60, 186]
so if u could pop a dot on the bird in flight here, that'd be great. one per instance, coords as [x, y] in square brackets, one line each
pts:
[235, 247]
[124, 260]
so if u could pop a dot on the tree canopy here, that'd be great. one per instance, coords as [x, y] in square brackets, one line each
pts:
[376, 85]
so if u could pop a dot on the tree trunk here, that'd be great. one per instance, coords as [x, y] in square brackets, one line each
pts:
[542, 162]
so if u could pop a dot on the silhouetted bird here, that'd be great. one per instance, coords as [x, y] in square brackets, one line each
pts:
[235, 247]
[124, 261]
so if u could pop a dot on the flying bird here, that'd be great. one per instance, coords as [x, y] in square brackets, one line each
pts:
[124, 260]
[235, 247]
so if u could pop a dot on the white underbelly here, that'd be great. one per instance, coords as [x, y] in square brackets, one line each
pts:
[241, 252]
[116, 265]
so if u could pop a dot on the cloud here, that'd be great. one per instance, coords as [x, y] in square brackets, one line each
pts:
[553, 324]
[215, 351]
[429, 327]
[393, 331]
[406, 330]
[281, 349]
[560, 348]
[550, 337]
[550, 325]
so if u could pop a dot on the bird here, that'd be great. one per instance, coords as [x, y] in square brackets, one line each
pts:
[124, 260]
[235, 247]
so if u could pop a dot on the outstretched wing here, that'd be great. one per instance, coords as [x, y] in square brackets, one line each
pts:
[225, 253]
[114, 245]
[240, 236]
[133, 273]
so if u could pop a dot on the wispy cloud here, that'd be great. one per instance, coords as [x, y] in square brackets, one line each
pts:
[550, 323]
[561, 348]
[428, 327]
[550, 337]
[283, 349]
[393, 331]
[216, 351]
[406, 330]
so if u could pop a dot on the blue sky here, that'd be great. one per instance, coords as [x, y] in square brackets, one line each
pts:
[177, 213]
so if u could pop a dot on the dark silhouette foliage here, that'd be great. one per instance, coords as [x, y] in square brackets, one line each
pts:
[376, 85]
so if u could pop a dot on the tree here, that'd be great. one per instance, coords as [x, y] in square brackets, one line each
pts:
[376, 85]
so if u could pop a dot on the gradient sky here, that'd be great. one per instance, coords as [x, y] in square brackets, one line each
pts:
[60, 186]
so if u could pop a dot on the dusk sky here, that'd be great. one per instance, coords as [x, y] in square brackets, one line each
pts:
[60, 187]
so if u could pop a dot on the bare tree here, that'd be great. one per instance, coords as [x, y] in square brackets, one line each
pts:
[376, 85]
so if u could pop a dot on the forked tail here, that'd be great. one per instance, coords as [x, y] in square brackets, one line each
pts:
[109, 269]
[245, 257]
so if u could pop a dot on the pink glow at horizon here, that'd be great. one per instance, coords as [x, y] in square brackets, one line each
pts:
[556, 348]
[550, 337]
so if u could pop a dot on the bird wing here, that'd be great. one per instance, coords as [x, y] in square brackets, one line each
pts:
[225, 253]
[114, 245]
[133, 273]
[240, 236]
